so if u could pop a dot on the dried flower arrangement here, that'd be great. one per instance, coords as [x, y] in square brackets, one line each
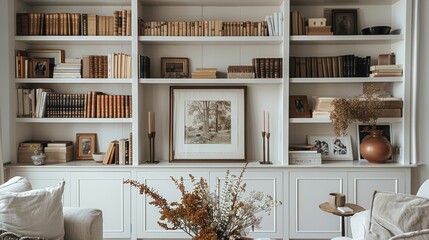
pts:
[210, 216]
[365, 109]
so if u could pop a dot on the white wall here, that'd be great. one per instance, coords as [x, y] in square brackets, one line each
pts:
[422, 173]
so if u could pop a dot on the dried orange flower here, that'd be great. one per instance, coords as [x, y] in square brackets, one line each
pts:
[210, 216]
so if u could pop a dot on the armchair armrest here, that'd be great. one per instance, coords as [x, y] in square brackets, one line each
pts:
[415, 235]
[360, 225]
[83, 223]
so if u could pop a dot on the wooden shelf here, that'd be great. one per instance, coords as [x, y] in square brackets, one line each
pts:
[74, 120]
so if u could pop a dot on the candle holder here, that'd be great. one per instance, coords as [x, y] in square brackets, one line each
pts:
[265, 160]
[151, 148]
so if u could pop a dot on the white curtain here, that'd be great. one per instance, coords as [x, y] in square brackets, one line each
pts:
[1, 157]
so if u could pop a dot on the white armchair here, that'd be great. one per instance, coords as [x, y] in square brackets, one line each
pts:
[360, 223]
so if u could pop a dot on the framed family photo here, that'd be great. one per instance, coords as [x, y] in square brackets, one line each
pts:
[362, 133]
[85, 145]
[57, 54]
[332, 147]
[298, 107]
[207, 124]
[174, 67]
[344, 21]
[39, 68]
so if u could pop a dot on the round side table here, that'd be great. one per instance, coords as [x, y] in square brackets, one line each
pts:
[326, 207]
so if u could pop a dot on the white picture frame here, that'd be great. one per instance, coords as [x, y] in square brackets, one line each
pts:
[332, 147]
[225, 140]
[387, 132]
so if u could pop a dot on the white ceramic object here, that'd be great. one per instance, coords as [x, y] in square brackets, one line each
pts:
[98, 157]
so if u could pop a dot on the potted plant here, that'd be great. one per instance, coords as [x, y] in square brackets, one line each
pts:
[374, 148]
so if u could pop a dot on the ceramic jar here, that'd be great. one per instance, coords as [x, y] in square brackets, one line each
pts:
[376, 148]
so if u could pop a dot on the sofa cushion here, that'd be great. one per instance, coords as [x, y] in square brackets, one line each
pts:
[36, 212]
[394, 214]
[6, 235]
[416, 235]
[16, 184]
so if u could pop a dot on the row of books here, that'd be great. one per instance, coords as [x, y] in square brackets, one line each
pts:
[144, 66]
[268, 67]
[114, 65]
[119, 152]
[275, 24]
[39, 103]
[202, 28]
[241, 72]
[335, 66]
[74, 24]
[297, 23]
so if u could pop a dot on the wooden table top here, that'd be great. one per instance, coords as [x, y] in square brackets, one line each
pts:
[328, 208]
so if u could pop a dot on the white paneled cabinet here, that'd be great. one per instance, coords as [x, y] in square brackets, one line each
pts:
[105, 191]
[270, 183]
[307, 191]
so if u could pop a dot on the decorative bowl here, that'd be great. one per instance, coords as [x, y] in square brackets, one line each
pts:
[98, 157]
[376, 30]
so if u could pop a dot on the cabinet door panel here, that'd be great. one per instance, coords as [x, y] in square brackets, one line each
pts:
[363, 184]
[307, 191]
[148, 215]
[105, 191]
[269, 183]
[40, 180]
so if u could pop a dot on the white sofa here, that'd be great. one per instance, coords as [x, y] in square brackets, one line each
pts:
[79, 223]
[360, 223]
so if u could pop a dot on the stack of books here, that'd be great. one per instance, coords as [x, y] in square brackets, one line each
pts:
[241, 71]
[304, 155]
[322, 107]
[204, 73]
[386, 71]
[119, 152]
[27, 149]
[59, 151]
[71, 68]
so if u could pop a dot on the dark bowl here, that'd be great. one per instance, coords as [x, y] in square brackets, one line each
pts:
[378, 30]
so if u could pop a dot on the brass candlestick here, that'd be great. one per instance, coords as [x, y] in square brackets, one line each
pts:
[151, 148]
[268, 149]
[263, 148]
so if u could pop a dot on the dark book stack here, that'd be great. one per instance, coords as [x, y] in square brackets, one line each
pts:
[268, 67]
[297, 23]
[144, 63]
[329, 67]
[74, 24]
[59, 105]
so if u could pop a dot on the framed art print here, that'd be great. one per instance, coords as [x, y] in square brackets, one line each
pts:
[174, 67]
[344, 21]
[207, 123]
[298, 106]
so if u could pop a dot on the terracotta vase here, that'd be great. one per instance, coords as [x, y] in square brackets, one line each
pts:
[376, 148]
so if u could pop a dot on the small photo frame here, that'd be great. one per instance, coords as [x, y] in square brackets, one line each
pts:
[344, 21]
[174, 67]
[57, 54]
[362, 132]
[208, 123]
[332, 147]
[298, 107]
[39, 68]
[85, 145]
